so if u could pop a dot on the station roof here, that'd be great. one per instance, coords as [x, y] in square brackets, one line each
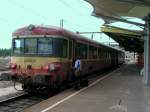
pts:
[111, 10]
[128, 39]
[117, 10]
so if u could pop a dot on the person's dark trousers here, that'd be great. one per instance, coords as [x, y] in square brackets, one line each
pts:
[77, 83]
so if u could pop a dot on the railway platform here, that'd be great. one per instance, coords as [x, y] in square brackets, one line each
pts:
[8, 92]
[119, 91]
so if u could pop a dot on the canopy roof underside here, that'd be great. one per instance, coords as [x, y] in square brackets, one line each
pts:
[116, 10]
[129, 40]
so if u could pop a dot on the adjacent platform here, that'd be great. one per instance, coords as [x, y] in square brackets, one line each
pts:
[8, 92]
[119, 91]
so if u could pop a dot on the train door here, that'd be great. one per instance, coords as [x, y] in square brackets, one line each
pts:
[72, 53]
[71, 60]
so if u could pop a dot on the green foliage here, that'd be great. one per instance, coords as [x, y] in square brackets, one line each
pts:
[5, 52]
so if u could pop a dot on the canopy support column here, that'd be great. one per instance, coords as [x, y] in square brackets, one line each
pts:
[147, 53]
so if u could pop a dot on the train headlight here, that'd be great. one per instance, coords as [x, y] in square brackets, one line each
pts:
[46, 68]
[13, 65]
[31, 27]
[52, 66]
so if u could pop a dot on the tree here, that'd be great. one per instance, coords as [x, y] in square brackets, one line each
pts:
[5, 52]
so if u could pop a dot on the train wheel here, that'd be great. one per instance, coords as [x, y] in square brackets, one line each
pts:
[23, 86]
[27, 87]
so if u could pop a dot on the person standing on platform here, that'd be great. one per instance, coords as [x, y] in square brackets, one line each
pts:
[77, 67]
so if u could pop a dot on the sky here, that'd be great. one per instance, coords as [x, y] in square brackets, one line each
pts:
[76, 15]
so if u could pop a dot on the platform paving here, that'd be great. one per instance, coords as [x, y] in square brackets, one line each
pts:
[122, 91]
[147, 99]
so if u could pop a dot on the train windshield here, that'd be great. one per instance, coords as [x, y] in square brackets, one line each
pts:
[56, 47]
[45, 46]
[30, 46]
[18, 46]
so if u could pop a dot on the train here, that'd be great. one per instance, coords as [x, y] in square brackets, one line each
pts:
[42, 56]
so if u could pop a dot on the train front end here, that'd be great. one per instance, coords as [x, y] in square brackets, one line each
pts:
[39, 57]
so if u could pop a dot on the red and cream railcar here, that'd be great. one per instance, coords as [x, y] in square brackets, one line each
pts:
[42, 56]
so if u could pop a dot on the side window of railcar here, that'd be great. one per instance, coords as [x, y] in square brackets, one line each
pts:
[45, 46]
[18, 46]
[92, 52]
[109, 54]
[99, 53]
[95, 53]
[70, 50]
[60, 47]
[104, 53]
[30, 46]
[81, 50]
[64, 48]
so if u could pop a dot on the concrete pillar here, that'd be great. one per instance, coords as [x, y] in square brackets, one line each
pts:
[147, 53]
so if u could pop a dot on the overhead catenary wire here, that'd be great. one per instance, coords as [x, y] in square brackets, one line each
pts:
[70, 7]
[4, 21]
[27, 9]
[75, 24]
[32, 11]
[75, 10]
[70, 26]
[64, 22]
[35, 13]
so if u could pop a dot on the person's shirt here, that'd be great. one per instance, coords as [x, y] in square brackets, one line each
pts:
[77, 64]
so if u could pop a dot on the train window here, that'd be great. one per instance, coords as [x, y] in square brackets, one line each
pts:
[70, 49]
[81, 50]
[108, 55]
[45, 46]
[64, 48]
[99, 53]
[104, 56]
[30, 46]
[42, 46]
[18, 46]
[60, 47]
[95, 53]
[92, 52]
[104, 53]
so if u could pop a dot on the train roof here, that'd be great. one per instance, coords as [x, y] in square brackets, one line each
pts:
[53, 30]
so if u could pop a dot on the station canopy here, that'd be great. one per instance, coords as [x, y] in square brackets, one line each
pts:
[121, 10]
[128, 39]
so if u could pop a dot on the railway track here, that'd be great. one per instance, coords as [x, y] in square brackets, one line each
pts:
[20, 102]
